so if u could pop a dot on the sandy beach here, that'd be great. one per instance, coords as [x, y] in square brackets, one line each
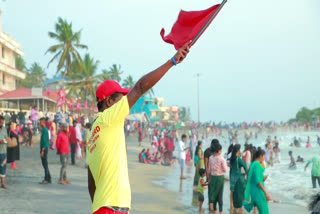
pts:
[26, 196]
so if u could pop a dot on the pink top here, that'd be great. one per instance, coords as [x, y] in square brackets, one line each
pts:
[217, 165]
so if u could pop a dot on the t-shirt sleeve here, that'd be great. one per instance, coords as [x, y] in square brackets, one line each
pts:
[116, 113]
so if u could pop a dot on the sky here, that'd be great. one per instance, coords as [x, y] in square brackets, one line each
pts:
[259, 60]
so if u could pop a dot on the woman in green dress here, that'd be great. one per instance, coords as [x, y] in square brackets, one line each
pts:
[256, 194]
[237, 180]
[199, 164]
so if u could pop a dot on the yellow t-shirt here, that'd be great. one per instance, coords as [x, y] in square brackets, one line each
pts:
[107, 158]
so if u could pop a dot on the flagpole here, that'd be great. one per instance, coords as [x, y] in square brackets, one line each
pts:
[209, 21]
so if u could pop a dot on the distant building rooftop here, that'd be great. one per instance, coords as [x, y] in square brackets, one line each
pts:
[54, 80]
[26, 93]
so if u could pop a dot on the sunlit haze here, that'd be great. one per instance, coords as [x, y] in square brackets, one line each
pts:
[259, 60]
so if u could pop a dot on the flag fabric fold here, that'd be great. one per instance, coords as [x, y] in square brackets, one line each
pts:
[188, 25]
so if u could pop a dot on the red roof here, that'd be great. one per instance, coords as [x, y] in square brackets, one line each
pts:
[21, 93]
[3, 91]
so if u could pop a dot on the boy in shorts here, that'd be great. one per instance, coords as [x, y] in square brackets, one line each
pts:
[201, 186]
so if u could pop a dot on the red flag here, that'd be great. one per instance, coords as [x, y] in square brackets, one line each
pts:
[188, 25]
[86, 105]
[78, 107]
[62, 97]
[71, 104]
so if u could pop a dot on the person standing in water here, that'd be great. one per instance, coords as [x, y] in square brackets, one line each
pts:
[199, 164]
[217, 167]
[201, 186]
[237, 180]
[308, 143]
[256, 194]
[315, 172]
[182, 153]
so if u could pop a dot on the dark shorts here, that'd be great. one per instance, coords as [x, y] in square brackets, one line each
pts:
[200, 197]
[3, 158]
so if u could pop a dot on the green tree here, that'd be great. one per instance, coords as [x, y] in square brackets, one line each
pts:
[20, 63]
[184, 114]
[115, 72]
[66, 51]
[304, 115]
[128, 82]
[37, 73]
[104, 76]
[150, 93]
[35, 76]
[83, 79]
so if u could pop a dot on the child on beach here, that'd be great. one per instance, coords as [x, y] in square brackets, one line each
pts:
[201, 186]
[300, 159]
[308, 143]
[276, 151]
[292, 164]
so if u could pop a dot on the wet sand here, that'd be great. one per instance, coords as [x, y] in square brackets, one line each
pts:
[26, 196]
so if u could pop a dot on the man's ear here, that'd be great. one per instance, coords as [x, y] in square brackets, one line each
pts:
[108, 102]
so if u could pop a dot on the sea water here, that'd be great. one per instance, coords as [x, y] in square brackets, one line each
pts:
[288, 186]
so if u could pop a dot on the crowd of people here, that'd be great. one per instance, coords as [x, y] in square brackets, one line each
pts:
[246, 171]
[62, 132]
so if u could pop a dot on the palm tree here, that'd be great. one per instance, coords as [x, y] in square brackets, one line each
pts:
[83, 77]
[20, 63]
[115, 72]
[104, 76]
[150, 93]
[66, 49]
[37, 73]
[184, 114]
[128, 82]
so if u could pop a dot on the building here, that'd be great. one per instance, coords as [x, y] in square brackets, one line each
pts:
[155, 110]
[55, 83]
[25, 98]
[9, 49]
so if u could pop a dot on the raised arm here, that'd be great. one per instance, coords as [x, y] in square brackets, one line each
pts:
[150, 79]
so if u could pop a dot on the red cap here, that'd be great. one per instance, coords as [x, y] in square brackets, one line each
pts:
[109, 87]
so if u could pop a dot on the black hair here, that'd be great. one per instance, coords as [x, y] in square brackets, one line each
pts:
[290, 152]
[259, 153]
[198, 147]
[314, 201]
[143, 150]
[214, 143]
[202, 172]
[113, 97]
[253, 152]
[235, 150]
[88, 125]
[1, 117]
[47, 119]
[247, 147]
[183, 136]
[216, 148]
[230, 148]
